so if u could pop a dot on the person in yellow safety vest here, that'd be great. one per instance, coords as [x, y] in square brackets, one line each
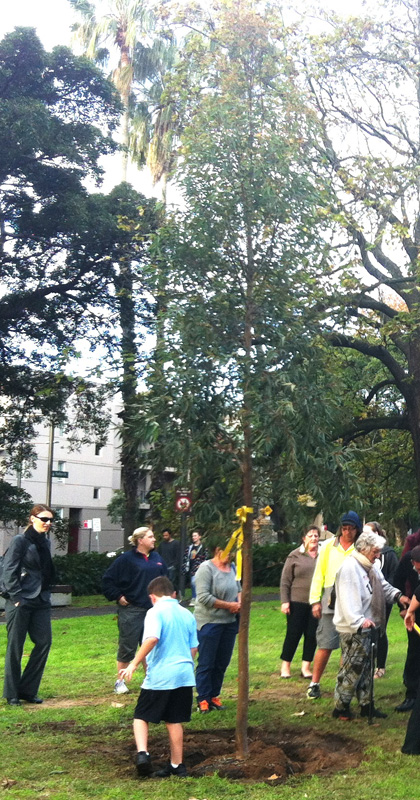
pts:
[330, 559]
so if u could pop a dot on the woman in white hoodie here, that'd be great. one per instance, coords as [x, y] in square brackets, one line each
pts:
[361, 595]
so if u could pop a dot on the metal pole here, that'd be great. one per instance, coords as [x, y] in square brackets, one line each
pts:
[181, 553]
[50, 463]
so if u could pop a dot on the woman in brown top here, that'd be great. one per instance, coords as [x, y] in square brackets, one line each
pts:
[295, 582]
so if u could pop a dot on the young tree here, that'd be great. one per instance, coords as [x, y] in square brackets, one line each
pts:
[242, 258]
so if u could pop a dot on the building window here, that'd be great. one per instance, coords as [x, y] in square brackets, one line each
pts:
[98, 449]
[96, 493]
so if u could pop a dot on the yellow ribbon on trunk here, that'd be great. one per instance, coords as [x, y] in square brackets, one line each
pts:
[238, 538]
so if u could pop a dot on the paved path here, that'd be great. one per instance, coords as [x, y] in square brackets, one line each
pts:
[67, 612]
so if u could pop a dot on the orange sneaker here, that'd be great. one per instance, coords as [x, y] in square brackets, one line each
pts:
[203, 707]
[215, 702]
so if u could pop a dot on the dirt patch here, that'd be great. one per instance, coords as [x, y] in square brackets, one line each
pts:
[274, 756]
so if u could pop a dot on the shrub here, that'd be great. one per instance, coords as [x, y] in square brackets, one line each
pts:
[268, 562]
[82, 571]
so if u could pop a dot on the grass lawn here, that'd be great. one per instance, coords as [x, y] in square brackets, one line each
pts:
[79, 743]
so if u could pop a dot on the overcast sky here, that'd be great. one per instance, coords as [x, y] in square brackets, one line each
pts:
[53, 18]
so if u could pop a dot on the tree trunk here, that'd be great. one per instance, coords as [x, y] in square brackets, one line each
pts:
[130, 472]
[412, 398]
[125, 139]
[241, 733]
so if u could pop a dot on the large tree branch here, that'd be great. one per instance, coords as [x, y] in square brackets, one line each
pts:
[361, 427]
[373, 351]
[377, 388]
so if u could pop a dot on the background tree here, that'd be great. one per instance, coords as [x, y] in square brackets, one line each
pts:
[128, 28]
[364, 77]
[56, 116]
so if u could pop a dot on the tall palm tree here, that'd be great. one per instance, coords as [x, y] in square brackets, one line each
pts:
[121, 32]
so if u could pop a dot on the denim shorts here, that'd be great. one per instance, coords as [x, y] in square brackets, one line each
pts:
[327, 637]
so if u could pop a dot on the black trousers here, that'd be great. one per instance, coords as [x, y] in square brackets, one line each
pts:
[411, 744]
[411, 672]
[382, 646]
[32, 618]
[300, 622]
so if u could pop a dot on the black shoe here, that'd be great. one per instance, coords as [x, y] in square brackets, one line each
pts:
[143, 764]
[408, 752]
[406, 705]
[13, 701]
[364, 712]
[180, 771]
[31, 698]
[342, 713]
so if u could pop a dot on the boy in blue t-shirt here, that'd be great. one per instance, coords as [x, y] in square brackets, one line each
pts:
[169, 646]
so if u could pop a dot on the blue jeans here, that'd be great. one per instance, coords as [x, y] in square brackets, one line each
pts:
[193, 590]
[215, 647]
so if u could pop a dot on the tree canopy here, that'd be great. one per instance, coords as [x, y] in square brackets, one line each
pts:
[57, 113]
[363, 76]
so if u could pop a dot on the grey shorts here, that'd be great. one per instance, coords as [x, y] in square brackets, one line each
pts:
[130, 629]
[327, 637]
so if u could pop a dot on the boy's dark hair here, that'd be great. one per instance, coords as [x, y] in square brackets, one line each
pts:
[161, 587]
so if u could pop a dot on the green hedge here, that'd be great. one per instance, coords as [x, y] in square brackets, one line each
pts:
[268, 560]
[82, 571]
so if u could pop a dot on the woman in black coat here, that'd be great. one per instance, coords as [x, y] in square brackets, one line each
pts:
[27, 576]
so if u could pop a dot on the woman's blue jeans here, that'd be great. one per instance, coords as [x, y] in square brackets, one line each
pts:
[215, 647]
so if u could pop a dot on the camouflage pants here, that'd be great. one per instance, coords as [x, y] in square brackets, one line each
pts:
[354, 675]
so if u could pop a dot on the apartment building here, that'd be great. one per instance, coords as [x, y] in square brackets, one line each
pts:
[82, 484]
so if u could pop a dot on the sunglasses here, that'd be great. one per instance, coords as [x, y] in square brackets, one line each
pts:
[45, 519]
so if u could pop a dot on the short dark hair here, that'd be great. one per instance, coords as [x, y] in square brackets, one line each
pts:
[415, 554]
[167, 530]
[161, 587]
[376, 527]
[312, 528]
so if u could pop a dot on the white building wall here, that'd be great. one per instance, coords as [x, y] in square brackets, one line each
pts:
[88, 471]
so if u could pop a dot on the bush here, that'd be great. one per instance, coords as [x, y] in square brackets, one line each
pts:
[82, 571]
[268, 562]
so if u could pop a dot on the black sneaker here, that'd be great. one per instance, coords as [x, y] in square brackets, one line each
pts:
[364, 712]
[180, 771]
[342, 713]
[406, 705]
[143, 764]
[314, 691]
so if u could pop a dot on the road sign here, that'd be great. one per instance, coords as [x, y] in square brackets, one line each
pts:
[183, 501]
[96, 524]
[87, 523]
[59, 473]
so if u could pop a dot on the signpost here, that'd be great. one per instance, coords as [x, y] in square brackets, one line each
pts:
[59, 473]
[183, 505]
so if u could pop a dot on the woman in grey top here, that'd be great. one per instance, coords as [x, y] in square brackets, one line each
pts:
[217, 604]
[295, 582]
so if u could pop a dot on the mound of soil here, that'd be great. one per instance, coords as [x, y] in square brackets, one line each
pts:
[274, 756]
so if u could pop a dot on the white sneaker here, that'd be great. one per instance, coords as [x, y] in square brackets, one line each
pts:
[120, 687]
